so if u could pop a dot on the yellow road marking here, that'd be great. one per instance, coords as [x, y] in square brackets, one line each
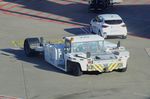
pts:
[19, 43]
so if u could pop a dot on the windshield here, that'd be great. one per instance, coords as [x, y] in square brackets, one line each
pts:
[92, 47]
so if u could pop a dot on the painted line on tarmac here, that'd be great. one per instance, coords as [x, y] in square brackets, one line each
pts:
[85, 30]
[147, 51]
[8, 97]
[140, 37]
[37, 16]
[5, 4]
[41, 18]
[13, 6]
[17, 43]
[141, 94]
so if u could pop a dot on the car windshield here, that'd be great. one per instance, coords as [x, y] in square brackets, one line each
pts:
[113, 21]
[92, 47]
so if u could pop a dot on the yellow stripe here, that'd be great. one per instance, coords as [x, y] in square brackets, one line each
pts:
[96, 68]
[110, 66]
[100, 67]
[114, 66]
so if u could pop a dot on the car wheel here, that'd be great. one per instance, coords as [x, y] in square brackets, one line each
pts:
[91, 29]
[124, 37]
[27, 46]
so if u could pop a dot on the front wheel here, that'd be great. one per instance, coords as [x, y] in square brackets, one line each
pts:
[91, 29]
[77, 70]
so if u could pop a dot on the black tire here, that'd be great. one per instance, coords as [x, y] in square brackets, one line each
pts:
[99, 33]
[30, 52]
[124, 37]
[77, 70]
[122, 70]
[73, 68]
[69, 69]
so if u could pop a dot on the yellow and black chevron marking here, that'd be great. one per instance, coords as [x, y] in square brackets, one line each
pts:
[98, 67]
[113, 66]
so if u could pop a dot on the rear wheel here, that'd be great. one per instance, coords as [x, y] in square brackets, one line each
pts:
[124, 37]
[29, 51]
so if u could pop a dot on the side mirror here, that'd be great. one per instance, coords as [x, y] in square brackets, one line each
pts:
[118, 44]
[88, 55]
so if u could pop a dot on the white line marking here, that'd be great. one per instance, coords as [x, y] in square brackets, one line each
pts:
[148, 51]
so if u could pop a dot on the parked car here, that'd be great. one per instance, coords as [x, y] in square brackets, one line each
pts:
[108, 25]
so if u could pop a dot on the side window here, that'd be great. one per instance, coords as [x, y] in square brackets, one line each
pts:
[67, 46]
[94, 20]
[99, 19]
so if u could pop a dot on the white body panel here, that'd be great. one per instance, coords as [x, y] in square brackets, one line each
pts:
[116, 1]
[53, 54]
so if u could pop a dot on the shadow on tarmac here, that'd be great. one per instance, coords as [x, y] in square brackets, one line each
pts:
[37, 62]
[136, 17]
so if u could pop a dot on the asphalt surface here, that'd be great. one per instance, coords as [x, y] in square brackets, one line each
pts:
[33, 78]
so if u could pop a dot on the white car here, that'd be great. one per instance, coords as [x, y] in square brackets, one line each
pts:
[108, 25]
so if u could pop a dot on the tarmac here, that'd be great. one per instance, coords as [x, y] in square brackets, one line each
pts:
[33, 78]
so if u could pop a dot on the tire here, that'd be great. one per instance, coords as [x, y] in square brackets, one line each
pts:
[30, 52]
[124, 37]
[91, 29]
[99, 33]
[122, 70]
[69, 69]
[77, 70]
[73, 68]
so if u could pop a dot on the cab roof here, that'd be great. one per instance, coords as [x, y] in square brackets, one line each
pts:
[110, 16]
[84, 38]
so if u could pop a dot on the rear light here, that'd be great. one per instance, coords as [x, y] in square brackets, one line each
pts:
[123, 25]
[104, 26]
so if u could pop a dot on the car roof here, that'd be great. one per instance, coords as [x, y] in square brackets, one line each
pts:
[110, 16]
[84, 38]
